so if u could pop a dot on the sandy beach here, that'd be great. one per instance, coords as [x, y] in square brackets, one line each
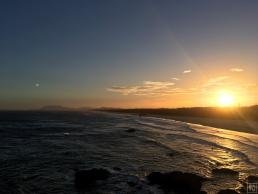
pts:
[247, 126]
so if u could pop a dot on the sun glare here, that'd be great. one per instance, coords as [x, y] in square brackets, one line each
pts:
[225, 99]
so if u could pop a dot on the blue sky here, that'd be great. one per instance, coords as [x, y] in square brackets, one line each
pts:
[76, 52]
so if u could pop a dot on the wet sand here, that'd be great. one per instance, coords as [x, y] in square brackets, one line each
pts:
[247, 126]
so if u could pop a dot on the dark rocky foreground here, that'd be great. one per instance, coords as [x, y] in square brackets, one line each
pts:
[177, 181]
[93, 180]
[227, 191]
[225, 171]
[87, 178]
[97, 180]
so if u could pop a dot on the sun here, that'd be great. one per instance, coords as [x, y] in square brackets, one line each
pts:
[225, 99]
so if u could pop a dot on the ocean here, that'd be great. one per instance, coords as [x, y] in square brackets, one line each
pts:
[40, 152]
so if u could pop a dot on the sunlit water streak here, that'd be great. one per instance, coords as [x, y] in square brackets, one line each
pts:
[40, 151]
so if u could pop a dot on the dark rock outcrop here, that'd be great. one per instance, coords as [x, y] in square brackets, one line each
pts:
[177, 181]
[132, 180]
[225, 171]
[171, 154]
[249, 179]
[227, 191]
[252, 179]
[117, 168]
[130, 130]
[87, 178]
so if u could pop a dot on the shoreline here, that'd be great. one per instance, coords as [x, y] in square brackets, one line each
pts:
[246, 126]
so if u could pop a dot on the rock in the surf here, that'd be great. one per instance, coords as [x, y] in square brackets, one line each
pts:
[252, 179]
[130, 130]
[87, 178]
[225, 171]
[177, 181]
[227, 191]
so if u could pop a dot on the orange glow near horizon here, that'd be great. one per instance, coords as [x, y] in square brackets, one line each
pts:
[225, 99]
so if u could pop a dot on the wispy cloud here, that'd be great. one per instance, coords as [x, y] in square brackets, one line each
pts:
[187, 71]
[160, 84]
[168, 88]
[236, 70]
[215, 81]
[175, 78]
[125, 90]
[146, 88]
[151, 88]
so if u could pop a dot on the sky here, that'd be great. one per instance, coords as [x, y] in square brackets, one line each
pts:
[127, 53]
